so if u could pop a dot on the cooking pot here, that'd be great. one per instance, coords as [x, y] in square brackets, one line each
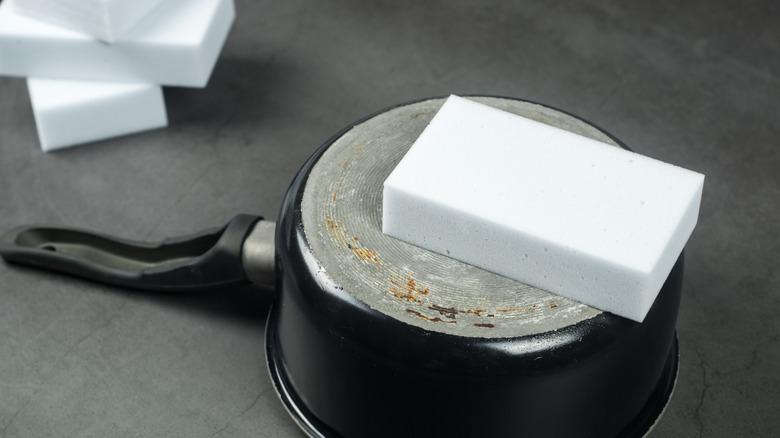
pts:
[371, 336]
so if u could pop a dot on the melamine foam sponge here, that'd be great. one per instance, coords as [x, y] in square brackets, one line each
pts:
[103, 19]
[72, 112]
[177, 44]
[544, 206]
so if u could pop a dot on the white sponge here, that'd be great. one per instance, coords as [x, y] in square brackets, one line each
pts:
[544, 206]
[103, 19]
[72, 112]
[177, 44]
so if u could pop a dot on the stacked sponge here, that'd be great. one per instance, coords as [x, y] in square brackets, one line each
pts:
[95, 67]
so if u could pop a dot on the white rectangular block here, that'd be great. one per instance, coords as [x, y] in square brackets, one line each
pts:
[544, 206]
[68, 113]
[107, 20]
[178, 44]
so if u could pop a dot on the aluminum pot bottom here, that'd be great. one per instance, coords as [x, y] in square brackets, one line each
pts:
[310, 425]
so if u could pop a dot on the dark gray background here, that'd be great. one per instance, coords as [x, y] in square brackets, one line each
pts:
[695, 83]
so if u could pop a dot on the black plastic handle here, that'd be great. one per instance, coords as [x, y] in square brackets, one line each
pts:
[209, 259]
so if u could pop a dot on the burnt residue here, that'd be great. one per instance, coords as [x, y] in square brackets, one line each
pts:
[428, 318]
[516, 309]
[484, 324]
[449, 312]
[476, 311]
[452, 312]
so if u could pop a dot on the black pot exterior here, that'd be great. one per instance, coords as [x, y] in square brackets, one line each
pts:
[357, 372]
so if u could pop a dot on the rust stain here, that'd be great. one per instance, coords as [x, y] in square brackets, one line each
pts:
[403, 295]
[428, 318]
[331, 224]
[407, 289]
[484, 324]
[514, 309]
[338, 234]
[358, 148]
[366, 255]
[334, 196]
[411, 285]
[336, 231]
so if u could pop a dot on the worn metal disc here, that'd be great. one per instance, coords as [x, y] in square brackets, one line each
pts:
[342, 217]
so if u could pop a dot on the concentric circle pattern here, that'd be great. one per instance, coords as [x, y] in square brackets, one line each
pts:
[342, 217]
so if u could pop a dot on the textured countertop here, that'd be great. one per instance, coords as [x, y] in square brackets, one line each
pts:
[693, 83]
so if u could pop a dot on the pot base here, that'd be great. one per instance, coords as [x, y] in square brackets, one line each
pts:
[306, 421]
[310, 425]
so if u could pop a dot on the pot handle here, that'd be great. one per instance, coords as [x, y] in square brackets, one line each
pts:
[205, 260]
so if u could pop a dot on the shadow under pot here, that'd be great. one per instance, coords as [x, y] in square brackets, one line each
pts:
[370, 336]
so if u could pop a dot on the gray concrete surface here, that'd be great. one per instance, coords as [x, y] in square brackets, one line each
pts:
[695, 83]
